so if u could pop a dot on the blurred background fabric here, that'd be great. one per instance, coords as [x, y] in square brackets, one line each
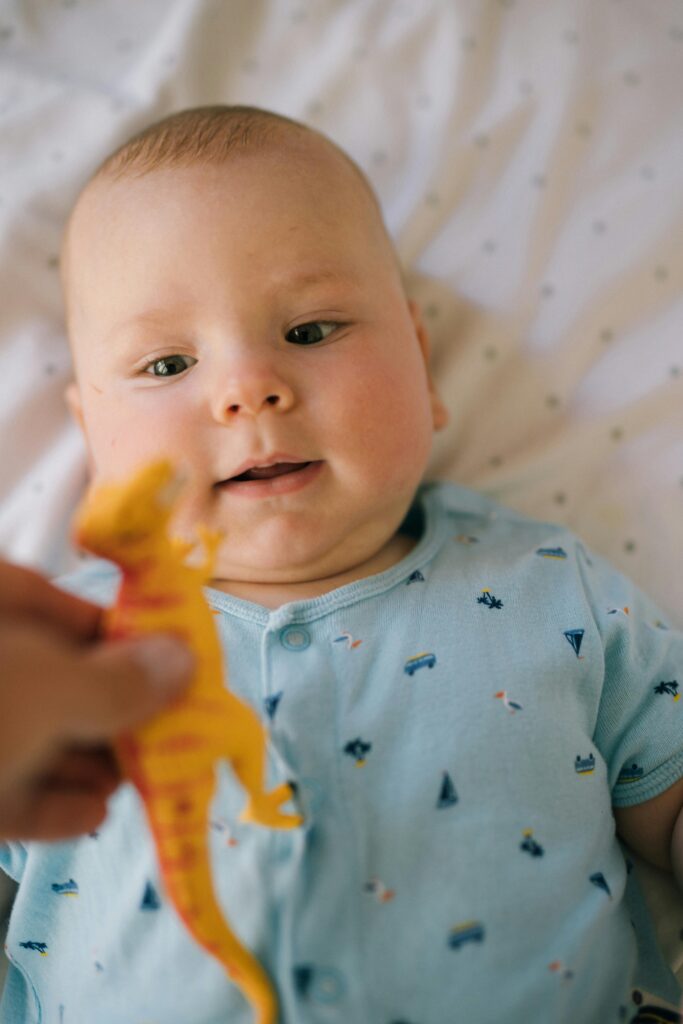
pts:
[528, 156]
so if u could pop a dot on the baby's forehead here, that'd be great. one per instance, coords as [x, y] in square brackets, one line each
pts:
[338, 183]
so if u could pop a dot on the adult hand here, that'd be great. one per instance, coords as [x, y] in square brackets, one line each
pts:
[63, 698]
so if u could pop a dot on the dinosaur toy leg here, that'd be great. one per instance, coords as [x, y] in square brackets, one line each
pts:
[246, 751]
[264, 808]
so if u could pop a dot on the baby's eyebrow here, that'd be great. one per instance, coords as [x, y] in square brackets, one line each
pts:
[322, 276]
[150, 317]
[156, 317]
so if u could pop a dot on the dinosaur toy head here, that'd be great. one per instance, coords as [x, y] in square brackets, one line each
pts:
[124, 519]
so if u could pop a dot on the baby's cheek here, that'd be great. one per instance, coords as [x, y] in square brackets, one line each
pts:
[404, 453]
[120, 440]
[390, 423]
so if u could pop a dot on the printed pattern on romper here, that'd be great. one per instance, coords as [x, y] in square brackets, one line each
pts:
[513, 711]
[473, 932]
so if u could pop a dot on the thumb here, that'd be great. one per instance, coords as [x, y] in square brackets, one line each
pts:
[127, 682]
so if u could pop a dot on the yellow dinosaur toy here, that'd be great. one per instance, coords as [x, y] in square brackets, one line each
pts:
[172, 759]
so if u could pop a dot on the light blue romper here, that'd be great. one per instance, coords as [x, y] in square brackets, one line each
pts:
[458, 728]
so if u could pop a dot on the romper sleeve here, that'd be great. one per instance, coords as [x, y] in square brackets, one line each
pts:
[639, 727]
[12, 859]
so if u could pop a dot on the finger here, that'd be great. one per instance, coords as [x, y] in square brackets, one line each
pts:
[56, 694]
[25, 593]
[84, 768]
[123, 684]
[53, 815]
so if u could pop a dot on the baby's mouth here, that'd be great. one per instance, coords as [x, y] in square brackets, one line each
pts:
[271, 476]
[268, 472]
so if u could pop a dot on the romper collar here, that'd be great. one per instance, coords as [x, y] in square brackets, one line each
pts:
[428, 506]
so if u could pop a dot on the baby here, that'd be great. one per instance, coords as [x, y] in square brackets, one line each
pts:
[473, 708]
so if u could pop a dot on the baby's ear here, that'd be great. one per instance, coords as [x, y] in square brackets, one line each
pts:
[72, 397]
[440, 414]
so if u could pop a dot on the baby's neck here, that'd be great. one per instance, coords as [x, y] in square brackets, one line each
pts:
[272, 595]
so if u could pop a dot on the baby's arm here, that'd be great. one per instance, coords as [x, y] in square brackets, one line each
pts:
[654, 829]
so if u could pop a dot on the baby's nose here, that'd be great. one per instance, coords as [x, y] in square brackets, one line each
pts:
[253, 406]
[251, 397]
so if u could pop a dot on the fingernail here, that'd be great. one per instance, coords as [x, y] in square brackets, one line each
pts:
[167, 662]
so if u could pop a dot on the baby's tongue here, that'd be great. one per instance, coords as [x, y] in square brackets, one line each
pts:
[278, 470]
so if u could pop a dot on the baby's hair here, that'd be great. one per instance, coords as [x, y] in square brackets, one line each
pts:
[209, 135]
[199, 135]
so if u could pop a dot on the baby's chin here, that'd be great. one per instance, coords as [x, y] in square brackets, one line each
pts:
[268, 588]
[280, 555]
[266, 572]
[289, 546]
[317, 569]
[282, 549]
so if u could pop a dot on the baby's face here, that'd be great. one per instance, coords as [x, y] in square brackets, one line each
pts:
[237, 316]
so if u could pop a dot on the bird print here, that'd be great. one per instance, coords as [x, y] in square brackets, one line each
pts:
[380, 891]
[562, 972]
[346, 638]
[511, 705]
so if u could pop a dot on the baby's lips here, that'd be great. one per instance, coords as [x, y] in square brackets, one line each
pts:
[261, 462]
[268, 472]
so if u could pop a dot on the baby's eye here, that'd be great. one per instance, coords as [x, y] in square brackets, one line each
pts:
[309, 334]
[167, 366]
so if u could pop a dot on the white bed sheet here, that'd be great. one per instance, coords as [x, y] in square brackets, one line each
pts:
[528, 157]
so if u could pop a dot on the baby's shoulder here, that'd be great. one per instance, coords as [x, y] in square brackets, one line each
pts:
[479, 519]
[543, 560]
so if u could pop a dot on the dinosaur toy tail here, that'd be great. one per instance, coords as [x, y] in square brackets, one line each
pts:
[178, 814]
[211, 931]
[186, 872]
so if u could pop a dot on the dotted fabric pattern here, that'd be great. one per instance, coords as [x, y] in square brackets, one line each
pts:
[527, 156]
